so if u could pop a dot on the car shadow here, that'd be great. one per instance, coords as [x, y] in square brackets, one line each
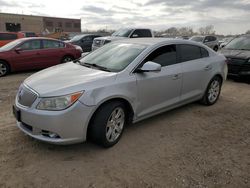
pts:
[88, 146]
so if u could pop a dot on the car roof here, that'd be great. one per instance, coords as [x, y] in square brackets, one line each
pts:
[36, 38]
[155, 41]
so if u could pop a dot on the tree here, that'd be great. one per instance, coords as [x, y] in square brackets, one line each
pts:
[248, 32]
[207, 30]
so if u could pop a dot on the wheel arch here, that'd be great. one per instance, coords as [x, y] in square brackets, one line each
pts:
[128, 106]
[8, 64]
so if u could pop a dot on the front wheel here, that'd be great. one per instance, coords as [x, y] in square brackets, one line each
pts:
[4, 68]
[108, 124]
[67, 59]
[213, 91]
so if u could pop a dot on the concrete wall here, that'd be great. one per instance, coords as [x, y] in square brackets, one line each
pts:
[64, 24]
[39, 24]
[28, 23]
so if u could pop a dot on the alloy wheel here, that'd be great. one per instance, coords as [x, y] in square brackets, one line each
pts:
[3, 69]
[214, 91]
[115, 124]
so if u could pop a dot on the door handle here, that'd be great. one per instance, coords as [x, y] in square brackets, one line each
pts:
[207, 68]
[176, 76]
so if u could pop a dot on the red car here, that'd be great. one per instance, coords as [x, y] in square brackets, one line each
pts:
[35, 53]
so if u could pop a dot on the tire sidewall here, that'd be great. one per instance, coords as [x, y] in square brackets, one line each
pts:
[7, 68]
[207, 94]
[99, 123]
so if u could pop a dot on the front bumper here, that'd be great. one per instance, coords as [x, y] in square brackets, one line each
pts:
[70, 125]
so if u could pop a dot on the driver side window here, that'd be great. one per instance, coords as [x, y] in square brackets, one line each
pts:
[165, 56]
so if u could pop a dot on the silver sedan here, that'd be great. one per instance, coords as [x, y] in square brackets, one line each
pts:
[122, 82]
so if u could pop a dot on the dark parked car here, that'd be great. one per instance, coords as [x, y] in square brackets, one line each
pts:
[237, 53]
[28, 33]
[85, 41]
[35, 53]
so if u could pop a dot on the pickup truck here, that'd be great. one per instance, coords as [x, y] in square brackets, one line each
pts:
[122, 34]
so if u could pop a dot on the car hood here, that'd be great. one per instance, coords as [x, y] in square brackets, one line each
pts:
[111, 38]
[241, 54]
[67, 78]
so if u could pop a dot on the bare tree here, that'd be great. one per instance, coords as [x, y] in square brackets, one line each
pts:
[207, 30]
[186, 31]
[172, 31]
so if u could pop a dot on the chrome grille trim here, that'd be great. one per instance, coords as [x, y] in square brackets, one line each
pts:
[25, 96]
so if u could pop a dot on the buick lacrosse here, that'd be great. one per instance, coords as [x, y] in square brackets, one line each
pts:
[122, 82]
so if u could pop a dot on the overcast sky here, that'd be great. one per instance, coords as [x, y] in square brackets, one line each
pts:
[228, 16]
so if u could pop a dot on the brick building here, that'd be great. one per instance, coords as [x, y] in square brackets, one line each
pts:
[38, 24]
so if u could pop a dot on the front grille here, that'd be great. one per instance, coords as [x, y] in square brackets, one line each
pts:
[107, 41]
[26, 97]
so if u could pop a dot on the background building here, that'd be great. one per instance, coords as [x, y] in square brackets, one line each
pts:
[38, 24]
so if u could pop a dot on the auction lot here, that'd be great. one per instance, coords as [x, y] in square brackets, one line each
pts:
[192, 146]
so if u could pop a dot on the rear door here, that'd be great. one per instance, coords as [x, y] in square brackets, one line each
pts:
[196, 70]
[28, 55]
[210, 41]
[157, 91]
[87, 43]
[52, 52]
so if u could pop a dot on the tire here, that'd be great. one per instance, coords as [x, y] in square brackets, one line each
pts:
[216, 48]
[66, 59]
[106, 129]
[212, 93]
[4, 69]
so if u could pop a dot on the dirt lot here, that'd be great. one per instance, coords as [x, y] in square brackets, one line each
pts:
[193, 146]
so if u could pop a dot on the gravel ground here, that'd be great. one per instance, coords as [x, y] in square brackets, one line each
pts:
[192, 146]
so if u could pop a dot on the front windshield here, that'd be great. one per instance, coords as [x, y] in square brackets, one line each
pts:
[114, 56]
[76, 38]
[122, 33]
[197, 39]
[10, 45]
[239, 43]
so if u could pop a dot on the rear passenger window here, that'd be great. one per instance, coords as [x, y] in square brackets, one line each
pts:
[204, 52]
[165, 56]
[141, 33]
[52, 44]
[189, 52]
[7, 36]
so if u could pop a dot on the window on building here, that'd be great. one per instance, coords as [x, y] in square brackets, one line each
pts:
[13, 27]
[59, 24]
[77, 25]
[68, 24]
[49, 24]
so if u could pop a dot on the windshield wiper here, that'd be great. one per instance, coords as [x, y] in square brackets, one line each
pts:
[97, 66]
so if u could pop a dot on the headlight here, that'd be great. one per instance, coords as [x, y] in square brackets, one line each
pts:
[58, 103]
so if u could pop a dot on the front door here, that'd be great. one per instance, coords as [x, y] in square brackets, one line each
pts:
[157, 91]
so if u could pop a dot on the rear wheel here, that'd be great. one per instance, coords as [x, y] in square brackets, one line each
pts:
[108, 124]
[213, 91]
[4, 68]
[66, 59]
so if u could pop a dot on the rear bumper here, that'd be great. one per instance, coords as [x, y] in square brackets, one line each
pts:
[69, 126]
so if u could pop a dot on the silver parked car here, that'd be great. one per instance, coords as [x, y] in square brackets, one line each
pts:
[210, 41]
[122, 82]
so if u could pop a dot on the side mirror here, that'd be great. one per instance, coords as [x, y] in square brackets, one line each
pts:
[17, 50]
[150, 67]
